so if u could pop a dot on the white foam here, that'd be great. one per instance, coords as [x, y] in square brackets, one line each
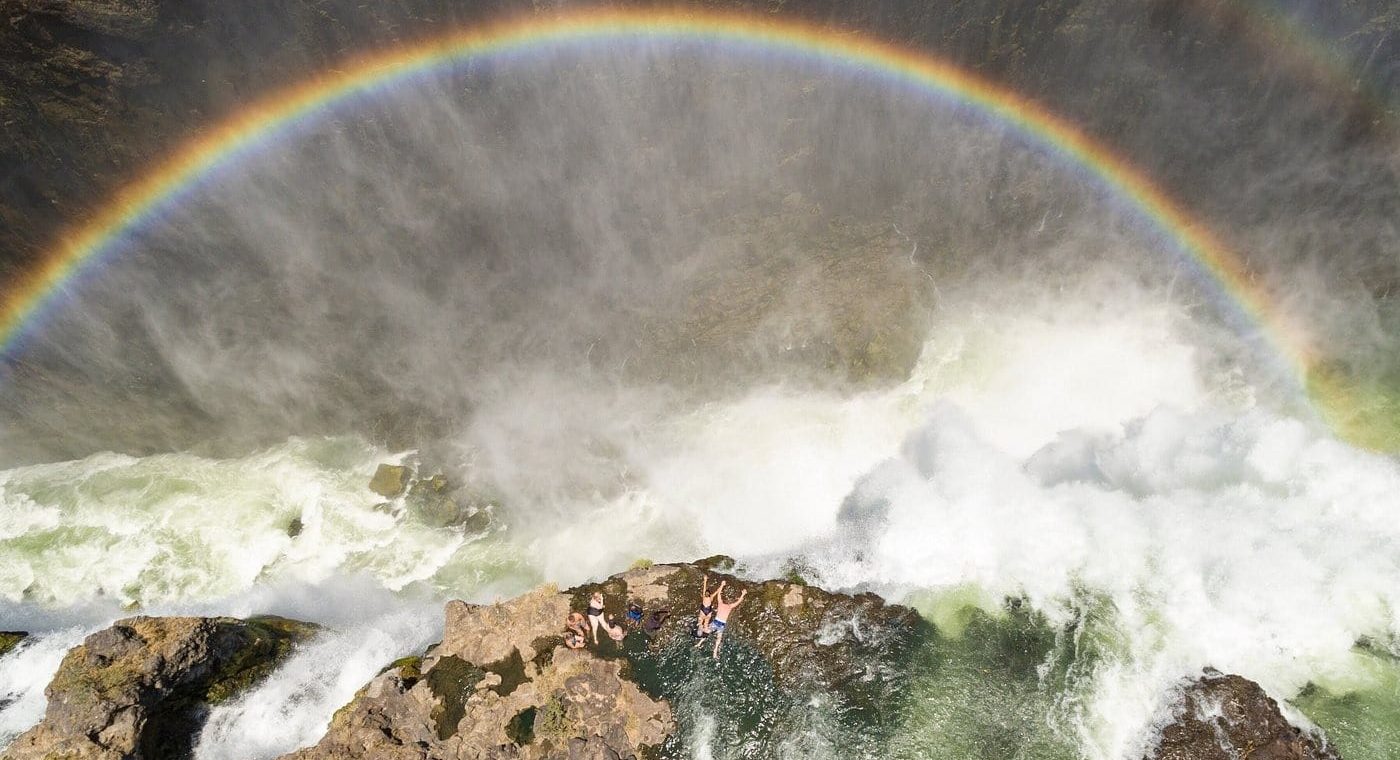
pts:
[293, 707]
[1245, 543]
[24, 673]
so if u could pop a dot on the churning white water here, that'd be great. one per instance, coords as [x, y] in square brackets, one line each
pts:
[1075, 461]
[23, 675]
[292, 708]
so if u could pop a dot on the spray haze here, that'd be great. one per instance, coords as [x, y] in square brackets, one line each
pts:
[670, 297]
[649, 216]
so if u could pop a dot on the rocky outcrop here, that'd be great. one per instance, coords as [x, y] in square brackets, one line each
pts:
[1227, 717]
[811, 638]
[499, 685]
[140, 688]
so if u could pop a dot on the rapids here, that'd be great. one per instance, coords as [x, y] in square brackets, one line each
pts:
[1152, 522]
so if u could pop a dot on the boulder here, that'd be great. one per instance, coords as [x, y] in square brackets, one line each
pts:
[1227, 717]
[389, 480]
[141, 688]
[430, 499]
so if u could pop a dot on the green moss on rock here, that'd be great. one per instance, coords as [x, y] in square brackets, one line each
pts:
[521, 728]
[10, 639]
[410, 670]
[271, 639]
[511, 670]
[452, 680]
[552, 721]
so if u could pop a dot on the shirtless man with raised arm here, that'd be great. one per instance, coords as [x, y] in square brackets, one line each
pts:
[722, 610]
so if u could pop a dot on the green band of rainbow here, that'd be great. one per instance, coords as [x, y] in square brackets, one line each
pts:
[85, 247]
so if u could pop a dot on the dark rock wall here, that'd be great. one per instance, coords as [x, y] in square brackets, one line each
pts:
[92, 91]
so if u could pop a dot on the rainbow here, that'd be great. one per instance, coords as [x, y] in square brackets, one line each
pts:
[85, 248]
[1285, 33]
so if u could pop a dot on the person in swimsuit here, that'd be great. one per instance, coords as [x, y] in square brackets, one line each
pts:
[654, 620]
[706, 613]
[597, 619]
[707, 604]
[595, 615]
[722, 610]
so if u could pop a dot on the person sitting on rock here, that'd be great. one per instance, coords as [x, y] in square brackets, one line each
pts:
[575, 631]
[654, 620]
[722, 610]
[634, 614]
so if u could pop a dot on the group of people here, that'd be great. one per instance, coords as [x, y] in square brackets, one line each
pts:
[711, 618]
[578, 626]
[714, 613]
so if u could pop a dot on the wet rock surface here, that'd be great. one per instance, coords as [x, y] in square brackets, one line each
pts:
[1226, 717]
[501, 683]
[389, 480]
[11, 639]
[141, 688]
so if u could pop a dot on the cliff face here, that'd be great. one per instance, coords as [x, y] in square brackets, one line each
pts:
[94, 91]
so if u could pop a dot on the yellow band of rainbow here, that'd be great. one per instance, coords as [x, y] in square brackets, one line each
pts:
[85, 247]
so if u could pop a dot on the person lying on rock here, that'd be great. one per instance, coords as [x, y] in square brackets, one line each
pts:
[722, 610]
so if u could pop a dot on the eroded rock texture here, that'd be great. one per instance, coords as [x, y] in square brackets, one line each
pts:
[499, 685]
[1225, 717]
